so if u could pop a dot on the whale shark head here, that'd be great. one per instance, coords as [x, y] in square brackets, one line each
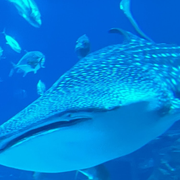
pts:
[111, 103]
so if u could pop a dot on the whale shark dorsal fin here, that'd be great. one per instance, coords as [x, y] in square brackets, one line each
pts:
[128, 37]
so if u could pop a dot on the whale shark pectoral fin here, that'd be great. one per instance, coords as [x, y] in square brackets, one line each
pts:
[96, 172]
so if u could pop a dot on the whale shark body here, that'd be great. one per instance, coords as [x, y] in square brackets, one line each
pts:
[111, 103]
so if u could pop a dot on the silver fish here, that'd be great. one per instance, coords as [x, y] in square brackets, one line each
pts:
[28, 9]
[41, 88]
[1, 52]
[31, 62]
[111, 103]
[12, 42]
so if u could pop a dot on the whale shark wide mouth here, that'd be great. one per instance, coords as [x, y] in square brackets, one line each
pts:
[44, 128]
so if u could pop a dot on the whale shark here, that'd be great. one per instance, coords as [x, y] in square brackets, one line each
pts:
[109, 104]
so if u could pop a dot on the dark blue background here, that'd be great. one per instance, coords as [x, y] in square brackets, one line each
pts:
[63, 21]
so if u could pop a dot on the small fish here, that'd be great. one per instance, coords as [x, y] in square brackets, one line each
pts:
[1, 52]
[41, 88]
[82, 47]
[125, 7]
[31, 61]
[28, 9]
[12, 42]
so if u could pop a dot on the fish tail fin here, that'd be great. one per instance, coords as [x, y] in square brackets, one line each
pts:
[12, 70]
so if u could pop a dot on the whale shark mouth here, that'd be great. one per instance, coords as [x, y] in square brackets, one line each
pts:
[41, 130]
[53, 123]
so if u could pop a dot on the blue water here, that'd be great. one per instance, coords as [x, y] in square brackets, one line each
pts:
[63, 22]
